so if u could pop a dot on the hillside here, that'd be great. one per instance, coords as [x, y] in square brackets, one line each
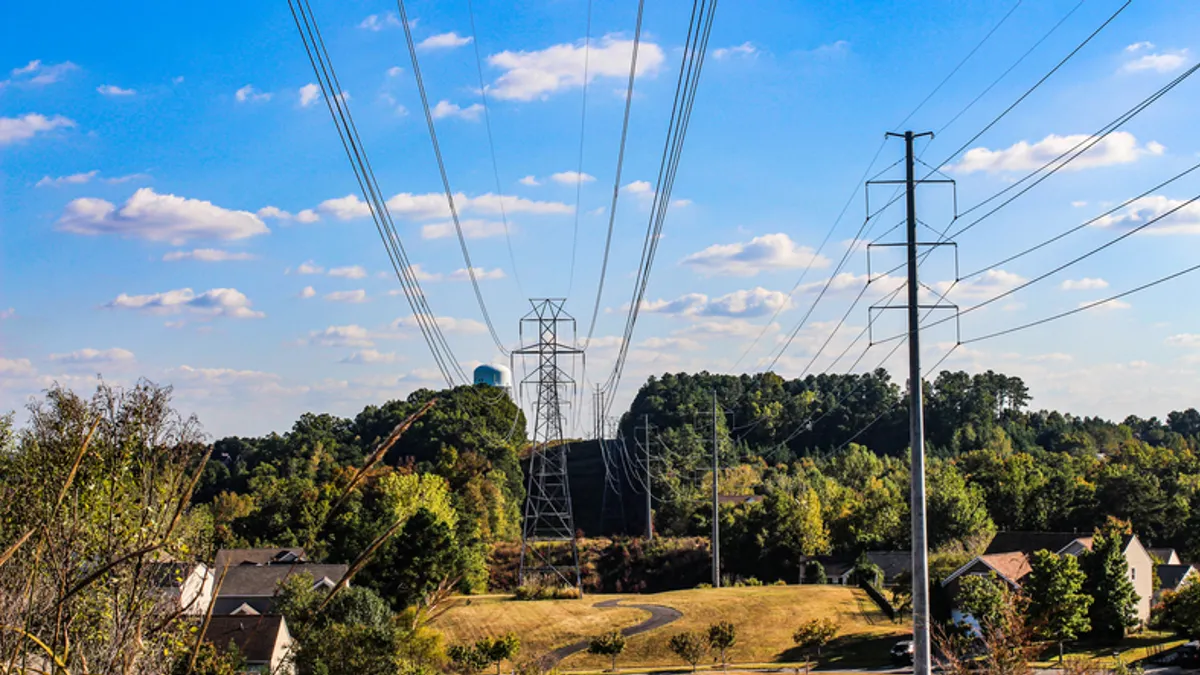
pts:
[765, 616]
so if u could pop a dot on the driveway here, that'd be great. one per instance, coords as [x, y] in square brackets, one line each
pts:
[659, 616]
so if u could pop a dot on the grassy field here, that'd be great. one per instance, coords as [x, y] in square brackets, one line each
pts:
[765, 616]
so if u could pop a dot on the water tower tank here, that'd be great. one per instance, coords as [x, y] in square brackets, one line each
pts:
[494, 376]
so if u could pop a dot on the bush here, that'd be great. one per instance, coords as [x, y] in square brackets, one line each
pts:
[545, 588]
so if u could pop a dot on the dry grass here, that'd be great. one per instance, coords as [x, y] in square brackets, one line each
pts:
[765, 616]
[542, 624]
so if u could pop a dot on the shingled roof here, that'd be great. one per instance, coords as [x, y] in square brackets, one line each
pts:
[257, 556]
[1172, 576]
[254, 636]
[1029, 542]
[263, 580]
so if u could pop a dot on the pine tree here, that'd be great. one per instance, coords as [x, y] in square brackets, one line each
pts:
[1114, 606]
[1058, 606]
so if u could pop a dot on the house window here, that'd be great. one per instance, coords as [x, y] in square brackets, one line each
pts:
[1133, 573]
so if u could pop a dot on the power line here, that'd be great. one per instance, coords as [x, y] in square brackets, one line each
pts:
[612, 209]
[587, 53]
[487, 123]
[339, 110]
[437, 151]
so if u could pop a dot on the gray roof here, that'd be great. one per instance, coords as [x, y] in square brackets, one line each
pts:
[170, 574]
[1163, 554]
[1029, 542]
[893, 563]
[255, 556]
[1172, 576]
[254, 636]
[263, 580]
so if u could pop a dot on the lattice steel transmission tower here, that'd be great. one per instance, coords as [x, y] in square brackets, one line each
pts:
[548, 519]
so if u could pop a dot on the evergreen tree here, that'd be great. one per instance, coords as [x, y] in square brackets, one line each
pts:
[1058, 605]
[1114, 606]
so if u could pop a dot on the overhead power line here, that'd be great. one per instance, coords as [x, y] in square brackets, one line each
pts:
[339, 110]
[612, 208]
[437, 151]
[587, 53]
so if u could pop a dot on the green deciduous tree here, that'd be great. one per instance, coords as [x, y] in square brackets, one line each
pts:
[688, 646]
[984, 598]
[722, 636]
[609, 644]
[499, 649]
[1058, 605]
[814, 634]
[1180, 611]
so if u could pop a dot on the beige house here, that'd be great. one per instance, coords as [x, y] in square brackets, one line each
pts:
[263, 641]
[187, 586]
[1008, 557]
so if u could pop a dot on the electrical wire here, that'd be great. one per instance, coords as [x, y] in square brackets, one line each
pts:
[339, 110]
[612, 208]
[437, 151]
[587, 53]
[487, 123]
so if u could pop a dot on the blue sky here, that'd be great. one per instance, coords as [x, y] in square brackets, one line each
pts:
[174, 202]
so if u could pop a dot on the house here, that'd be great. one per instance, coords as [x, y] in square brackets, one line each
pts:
[1009, 553]
[233, 557]
[263, 641]
[250, 589]
[187, 586]
[1165, 556]
[840, 571]
[1174, 577]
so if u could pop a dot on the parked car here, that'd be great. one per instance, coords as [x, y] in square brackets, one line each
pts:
[902, 653]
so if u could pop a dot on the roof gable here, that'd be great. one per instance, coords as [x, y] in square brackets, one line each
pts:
[232, 557]
[254, 636]
[264, 580]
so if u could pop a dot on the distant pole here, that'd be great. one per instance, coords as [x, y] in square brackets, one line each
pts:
[716, 512]
[649, 506]
[920, 552]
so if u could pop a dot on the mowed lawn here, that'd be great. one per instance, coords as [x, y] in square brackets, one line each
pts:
[765, 616]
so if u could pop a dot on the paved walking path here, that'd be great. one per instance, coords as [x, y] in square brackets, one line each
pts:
[659, 616]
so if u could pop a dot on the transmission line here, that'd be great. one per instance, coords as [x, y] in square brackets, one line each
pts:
[587, 53]
[339, 110]
[437, 151]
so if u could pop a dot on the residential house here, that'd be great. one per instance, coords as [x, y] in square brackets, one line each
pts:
[1165, 556]
[1009, 553]
[1173, 578]
[840, 571]
[249, 589]
[263, 641]
[187, 586]
[233, 557]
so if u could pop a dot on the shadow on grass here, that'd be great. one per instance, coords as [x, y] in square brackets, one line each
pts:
[848, 651]
[1133, 648]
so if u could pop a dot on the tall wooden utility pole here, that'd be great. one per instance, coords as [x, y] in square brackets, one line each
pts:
[716, 502]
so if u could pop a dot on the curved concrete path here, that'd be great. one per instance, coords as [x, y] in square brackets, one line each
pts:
[659, 616]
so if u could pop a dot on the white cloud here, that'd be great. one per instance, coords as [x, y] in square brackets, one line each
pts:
[638, 187]
[13, 129]
[207, 255]
[983, 287]
[348, 272]
[394, 71]
[354, 297]
[345, 208]
[445, 109]
[248, 94]
[681, 203]
[228, 302]
[1159, 62]
[433, 205]
[530, 181]
[309, 267]
[6, 314]
[1184, 220]
[833, 50]
[308, 292]
[572, 177]
[1084, 284]
[770, 251]
[114, 90]
[492, 203]
[149, 215]
[746, 50]
[538, 74]
[1079, 204]
[672, 343]
[449, 40]
[38, 73]
[378, 22]
[472, 229]
[732, 328]
[1109, 306]
[16, 368]
[745, 303]
[73, 179]
[309, 94]
[89, 356]
[420, 274]
[1120, 147]
[342, 336]
[1184, 340]
[447, 323]
[371, 357]
[481, 274]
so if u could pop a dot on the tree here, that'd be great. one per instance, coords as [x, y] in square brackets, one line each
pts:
[983, 598]
[1114, 606]
[1181, 611]
[721, 637]
[609, 644]
[814, 573]
[466, 659]
[815, 634]
[688, 646]
[866, 572]
[497, 649]
[1057, 604]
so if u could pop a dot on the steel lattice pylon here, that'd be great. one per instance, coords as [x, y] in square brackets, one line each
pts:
[548, 516]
